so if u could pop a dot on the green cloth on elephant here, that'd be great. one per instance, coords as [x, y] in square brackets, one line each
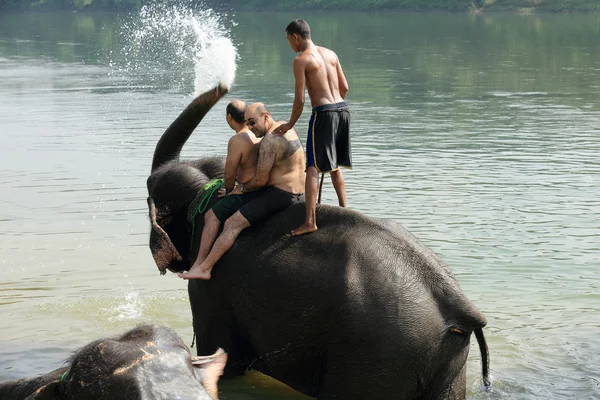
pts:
[200, 203]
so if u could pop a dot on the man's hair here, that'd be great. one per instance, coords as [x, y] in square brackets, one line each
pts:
[299, 27]
[261, 109]
[236, 112]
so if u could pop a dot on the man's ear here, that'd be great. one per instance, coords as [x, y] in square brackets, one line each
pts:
[228, 117]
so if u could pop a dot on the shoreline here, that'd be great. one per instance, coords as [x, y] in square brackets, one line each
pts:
[520, 11]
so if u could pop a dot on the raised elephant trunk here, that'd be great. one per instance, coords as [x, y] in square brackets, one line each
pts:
[174, 184]
[171, 142]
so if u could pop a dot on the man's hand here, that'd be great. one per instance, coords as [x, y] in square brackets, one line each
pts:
[236, 190]
[222, 192]
[283, 128]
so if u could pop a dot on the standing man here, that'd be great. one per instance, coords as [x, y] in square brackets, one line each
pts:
[240, 166]
[276, 185]
[318, 69]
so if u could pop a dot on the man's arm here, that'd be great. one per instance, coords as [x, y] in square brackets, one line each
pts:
[267, 154]
[234, 155]
[299, 88]
[342, 82]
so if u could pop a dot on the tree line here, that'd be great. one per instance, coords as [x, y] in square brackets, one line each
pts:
[524, 6]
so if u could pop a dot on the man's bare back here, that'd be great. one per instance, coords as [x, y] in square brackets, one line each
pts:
[321, 71]
[280, 157]
[287, 172]
[243, 147]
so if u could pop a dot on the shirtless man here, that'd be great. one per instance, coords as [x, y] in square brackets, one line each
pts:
[240, 165]
[277, 184]
[328, 143]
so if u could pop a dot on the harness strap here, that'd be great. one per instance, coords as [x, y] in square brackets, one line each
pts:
[209, 189]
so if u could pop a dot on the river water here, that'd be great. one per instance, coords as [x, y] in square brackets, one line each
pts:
[480, 134]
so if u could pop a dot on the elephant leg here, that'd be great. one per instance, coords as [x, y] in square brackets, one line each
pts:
[343, 377]
[214, 334]
[458, 388]
[214, 330]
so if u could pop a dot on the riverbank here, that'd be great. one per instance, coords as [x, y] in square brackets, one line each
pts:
[476, 6]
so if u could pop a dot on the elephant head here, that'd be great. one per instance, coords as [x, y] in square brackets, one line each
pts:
[147, 362]
[173, 186]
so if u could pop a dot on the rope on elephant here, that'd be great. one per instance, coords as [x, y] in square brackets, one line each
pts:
[201, 201]
[321, 188]
[64, 375]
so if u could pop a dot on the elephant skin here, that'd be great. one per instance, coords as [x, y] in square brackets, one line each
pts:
[358, 309]
[148, 362]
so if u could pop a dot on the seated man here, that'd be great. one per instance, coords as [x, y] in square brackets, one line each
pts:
[277, 184]
[240, 165]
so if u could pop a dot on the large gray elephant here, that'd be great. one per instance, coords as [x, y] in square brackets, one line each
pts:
[359, 309]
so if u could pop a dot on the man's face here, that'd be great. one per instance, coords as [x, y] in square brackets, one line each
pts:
[257, 123]
[293, 41]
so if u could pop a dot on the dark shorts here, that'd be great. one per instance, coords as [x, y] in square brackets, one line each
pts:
[228, 205]
[270, 201]
[328, 140]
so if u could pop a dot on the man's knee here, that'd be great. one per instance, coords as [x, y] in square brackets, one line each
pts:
[211, 218]
[236, 223]
[311, 172]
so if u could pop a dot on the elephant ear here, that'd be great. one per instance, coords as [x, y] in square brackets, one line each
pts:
[209, 369]
[49, 391]
[163, 249]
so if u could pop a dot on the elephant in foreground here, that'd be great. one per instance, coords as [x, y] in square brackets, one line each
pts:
[148, 362]
[358, 309]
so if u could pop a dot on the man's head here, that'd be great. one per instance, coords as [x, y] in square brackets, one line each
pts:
[234, 113]
[258, 119]
[298, 32]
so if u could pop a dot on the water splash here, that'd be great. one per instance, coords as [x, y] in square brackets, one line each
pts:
[172, 46]
[130, 308]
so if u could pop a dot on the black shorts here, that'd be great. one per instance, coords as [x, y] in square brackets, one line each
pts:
[270, 201]
[328, 139]
[228, 205]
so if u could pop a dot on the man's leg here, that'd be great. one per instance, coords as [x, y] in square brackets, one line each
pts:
[231, 230]
[210, 232]
[310, 194]
[337, 178]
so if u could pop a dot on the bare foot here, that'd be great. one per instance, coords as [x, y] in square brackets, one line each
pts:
[195, 272]
[304, 228]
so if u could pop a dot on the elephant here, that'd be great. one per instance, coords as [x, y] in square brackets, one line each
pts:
[147, 362]
[358, 309]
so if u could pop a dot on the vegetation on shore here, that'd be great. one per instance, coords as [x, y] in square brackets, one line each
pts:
[523, 6]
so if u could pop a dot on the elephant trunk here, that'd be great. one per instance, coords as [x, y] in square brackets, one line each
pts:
[163, 250]
[171, 142]
[485, 357]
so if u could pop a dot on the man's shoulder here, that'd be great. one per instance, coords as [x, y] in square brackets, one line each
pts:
[292, 131]
[303, 58]
[242, 138]
[300, 59]
[326, 53]
[326, 49]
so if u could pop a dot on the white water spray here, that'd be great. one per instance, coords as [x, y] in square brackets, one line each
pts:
[167, 44]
